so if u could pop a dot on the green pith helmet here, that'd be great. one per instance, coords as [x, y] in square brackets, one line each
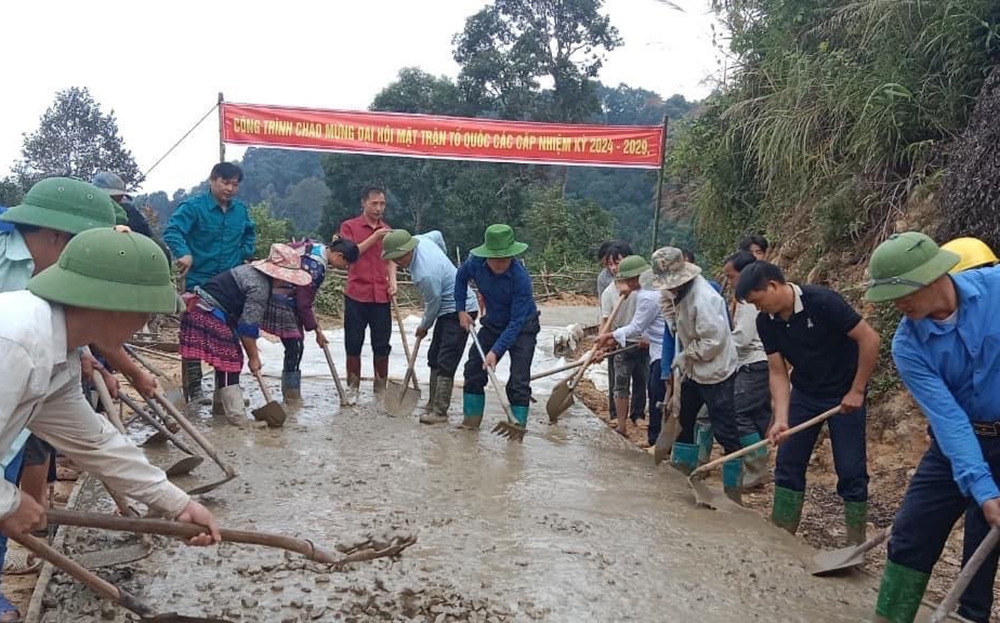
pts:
[112, 271]
[631, 266]
[63, 204]
[498, 242]
[397, 243]
[906, 263]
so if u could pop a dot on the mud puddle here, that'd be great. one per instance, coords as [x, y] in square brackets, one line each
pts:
[574, 524]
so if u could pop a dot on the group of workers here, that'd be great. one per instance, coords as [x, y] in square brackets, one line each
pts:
[76, 287]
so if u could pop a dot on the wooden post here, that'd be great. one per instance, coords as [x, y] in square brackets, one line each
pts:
[222, 143]
[659, 186]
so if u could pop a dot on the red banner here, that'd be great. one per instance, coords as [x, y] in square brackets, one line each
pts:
[454, 138]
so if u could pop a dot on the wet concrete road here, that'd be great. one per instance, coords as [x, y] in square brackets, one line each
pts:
[571, 525]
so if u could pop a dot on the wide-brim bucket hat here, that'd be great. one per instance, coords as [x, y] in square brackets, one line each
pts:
[671, 270]
[397, 243]
[111, 271]
[63, 204]
[904, 264]
[284, 263]
[499, 242]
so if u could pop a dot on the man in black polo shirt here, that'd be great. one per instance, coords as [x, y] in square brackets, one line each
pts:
[833, 352]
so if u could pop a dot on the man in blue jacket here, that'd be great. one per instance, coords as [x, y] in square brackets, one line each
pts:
[510, 322]
[209, 234]
[945, 350]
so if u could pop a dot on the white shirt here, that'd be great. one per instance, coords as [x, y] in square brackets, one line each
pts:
[41, 390]
[608, 300]
[749, 348]
[647, 322]
[704, 335]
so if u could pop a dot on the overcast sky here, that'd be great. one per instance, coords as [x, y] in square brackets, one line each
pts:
[160, 66]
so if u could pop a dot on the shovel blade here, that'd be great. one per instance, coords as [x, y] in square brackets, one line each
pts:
[175, 396]
[707, 498]
[400, 400]
[272, 413]
[184, 466]
[827, 563]
[154, 439]
[665, 441]
[210, 486]
[560, 401]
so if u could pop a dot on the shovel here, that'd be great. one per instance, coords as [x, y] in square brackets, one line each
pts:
[204, 443]
[509, 428]
[968, 571]
[826, 563]
[158, 437]
[171, 389]
[402, 336]
[181, 467]
[562, 394]
[100, 586]
[580, 362]
[336, 377]
[369, 549]
[271, 412]
[400, 400]
[703, 496]
[671, 428]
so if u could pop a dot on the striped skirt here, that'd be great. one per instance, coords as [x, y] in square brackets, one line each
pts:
[205, 337]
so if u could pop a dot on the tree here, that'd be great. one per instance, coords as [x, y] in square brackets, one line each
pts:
[270, 230]
[10, 192]
[303, 204]
[562, 232]
[75, 138]
[510, 46]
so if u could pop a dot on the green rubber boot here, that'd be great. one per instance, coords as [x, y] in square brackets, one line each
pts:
[755, 462]
[732, 480]
[433, 390]
[856, 519]
[787, 509]
[473, 406]
[441, 391]
[520, 413]
[900, 593]
[703, 437]
[684, 457]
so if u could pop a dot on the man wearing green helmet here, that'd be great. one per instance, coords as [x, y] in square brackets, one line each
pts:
[946, 352]
[104, 287]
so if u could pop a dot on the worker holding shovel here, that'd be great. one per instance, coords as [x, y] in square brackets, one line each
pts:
[635, 276]
[224, 318]
[104, 287]
[290, 310]
[945, 350]
[433, 274]
[706, 359]
[833, 352]
[510, 324]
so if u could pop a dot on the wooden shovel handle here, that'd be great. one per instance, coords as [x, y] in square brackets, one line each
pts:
[104, 395]
[493, 378]
[822, 417]
[965, 576]
[579, 362]
[333, 372]
[263, 386]
[410, 372]
[194, 433]
[187, 530]
[402, 334]
[102, 587]
[589, 357]
[143, 361]
[152, 421]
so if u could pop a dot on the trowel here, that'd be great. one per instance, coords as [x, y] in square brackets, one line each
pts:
[400, 398]
[826, 563]
[271, 412]
[562, 398]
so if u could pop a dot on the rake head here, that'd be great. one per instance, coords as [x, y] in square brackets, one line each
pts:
[509, 430]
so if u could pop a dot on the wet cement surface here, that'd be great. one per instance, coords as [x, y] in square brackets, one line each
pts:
[573, 524]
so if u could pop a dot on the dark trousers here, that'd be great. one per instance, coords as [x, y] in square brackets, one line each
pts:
[447, 343]
[293, 353]
[521, 352]
[930, 508]
[847, 436]
[753, 399]
[718, 398]
[360, 316]
[657, 394]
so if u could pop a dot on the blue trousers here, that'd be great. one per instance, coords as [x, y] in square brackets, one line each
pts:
[657, 394]
[11, 474]
[930, 508]
[847, 435]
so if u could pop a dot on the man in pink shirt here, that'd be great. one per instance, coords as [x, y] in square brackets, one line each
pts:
[371, 284]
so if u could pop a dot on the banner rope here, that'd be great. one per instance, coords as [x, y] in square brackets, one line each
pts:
[181, 140]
